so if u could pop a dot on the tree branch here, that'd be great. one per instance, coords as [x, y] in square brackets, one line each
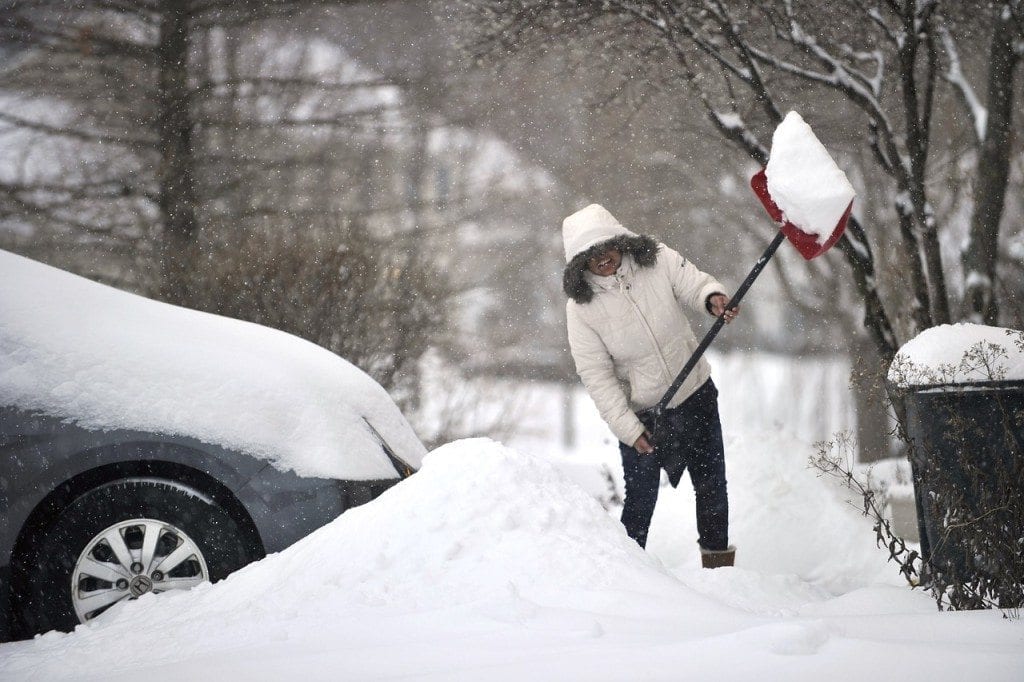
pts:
[976, 111]
[84, 136]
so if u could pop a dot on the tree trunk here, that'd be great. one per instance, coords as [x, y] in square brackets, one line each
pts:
[568, 415]
[917, 107]
[992, 175]
[177, 184]
[867, 380]
[854, 246]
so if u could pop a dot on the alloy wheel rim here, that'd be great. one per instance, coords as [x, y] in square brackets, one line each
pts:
[132, 558]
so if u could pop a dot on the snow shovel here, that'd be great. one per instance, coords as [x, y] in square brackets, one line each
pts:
[808, 245]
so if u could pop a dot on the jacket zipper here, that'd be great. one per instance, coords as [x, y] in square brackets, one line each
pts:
[624, 289]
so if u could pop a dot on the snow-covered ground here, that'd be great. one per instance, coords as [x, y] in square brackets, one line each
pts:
[492, 563]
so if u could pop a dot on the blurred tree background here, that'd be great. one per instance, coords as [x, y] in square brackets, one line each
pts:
[389, 178]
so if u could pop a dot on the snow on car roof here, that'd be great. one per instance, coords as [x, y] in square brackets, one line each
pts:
[959, 353]
[107, 359]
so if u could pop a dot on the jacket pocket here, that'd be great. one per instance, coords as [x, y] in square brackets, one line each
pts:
[647, 381]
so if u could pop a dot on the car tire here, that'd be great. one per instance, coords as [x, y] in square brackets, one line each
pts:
[175, 516]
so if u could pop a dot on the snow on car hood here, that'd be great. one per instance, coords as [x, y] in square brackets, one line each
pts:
[107, 359]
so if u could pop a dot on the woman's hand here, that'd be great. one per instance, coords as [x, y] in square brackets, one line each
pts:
[643, 444]
[718, 303]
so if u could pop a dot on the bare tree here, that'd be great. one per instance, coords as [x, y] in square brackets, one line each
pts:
[120, 87]
[993, 124]
[743, 61]
[240, 165]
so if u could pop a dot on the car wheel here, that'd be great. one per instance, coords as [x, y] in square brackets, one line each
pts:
[122, 540]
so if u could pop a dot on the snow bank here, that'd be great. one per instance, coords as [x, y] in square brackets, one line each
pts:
[475, 520]
[804, 181]
[107, 359]
[479, 525]
[488, 564]
[959, 353]
[785, 520]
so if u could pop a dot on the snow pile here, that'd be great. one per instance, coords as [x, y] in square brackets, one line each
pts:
[891, 477]
[479, 525]
[804, 181]
[475, 520]
[107, 359]
[959, 353]
[488, 564]
[784, 519]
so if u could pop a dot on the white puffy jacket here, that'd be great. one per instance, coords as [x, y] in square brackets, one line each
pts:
[632, 338]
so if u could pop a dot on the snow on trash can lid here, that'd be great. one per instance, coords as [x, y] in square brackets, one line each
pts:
[959, 354]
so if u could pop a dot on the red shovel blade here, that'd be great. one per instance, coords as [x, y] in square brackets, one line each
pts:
[806, 244]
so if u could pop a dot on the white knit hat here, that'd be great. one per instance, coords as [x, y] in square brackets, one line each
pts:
[589, 226]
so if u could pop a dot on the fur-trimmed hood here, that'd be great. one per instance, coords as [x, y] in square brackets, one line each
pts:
[590, 232]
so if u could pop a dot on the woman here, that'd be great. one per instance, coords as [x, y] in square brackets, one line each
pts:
[629, 338]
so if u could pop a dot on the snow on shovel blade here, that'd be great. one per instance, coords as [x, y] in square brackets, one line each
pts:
[807, 244]
[812, 190]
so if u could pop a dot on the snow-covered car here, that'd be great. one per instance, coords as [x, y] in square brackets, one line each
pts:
[146, 447]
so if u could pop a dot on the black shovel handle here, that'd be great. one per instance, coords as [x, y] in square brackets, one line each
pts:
[713, 332]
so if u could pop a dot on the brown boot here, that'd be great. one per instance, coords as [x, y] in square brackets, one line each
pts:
[717, 559]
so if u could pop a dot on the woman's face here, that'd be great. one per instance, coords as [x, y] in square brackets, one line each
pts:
[606, 263]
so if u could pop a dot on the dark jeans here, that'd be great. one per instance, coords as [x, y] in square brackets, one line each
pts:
[688, 437]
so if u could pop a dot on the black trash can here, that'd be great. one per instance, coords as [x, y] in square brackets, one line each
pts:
[966, 444]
